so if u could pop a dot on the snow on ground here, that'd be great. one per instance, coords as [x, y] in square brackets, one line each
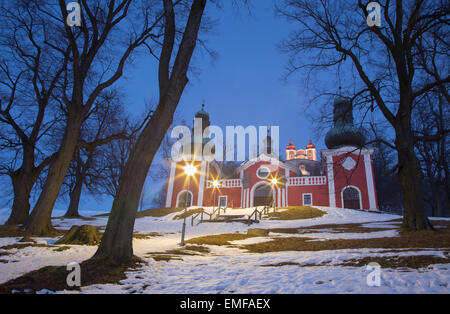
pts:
[232, 270]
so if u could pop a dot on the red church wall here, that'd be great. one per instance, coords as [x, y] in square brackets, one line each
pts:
[180, 184]
[320, 196]
[234, 197]
[354, 177]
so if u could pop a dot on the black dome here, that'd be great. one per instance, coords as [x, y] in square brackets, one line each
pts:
[344, 133]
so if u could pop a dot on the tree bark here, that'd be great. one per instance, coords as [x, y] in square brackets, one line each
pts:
[116, 243]
[410, 177]
[75, 196]
[22, 184]
[39, 223]
[23, 180]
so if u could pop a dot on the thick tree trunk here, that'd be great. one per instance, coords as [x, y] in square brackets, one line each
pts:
[39, 223]
[410, 176]
[23, 184]
[75, 196]
[23, 181]
[116, 243]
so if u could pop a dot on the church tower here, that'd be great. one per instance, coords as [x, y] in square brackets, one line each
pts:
[349, 166]
[290, 151]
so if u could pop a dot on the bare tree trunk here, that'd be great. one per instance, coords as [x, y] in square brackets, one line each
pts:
[23, 184]
[410, 176]
[116, 243]
[39, 222]
[23, 181]
[75, 197]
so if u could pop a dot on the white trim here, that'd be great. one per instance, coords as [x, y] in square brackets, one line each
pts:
[303, 199]
[346, 149]
[263, 167]
[170, 185]
[287, 175]
[370, 184]
[179, 194]
[283, 197]
[201, 185]
[331, 190]
[218, 200]
[248, 198]
[279, 198]
[356, 188]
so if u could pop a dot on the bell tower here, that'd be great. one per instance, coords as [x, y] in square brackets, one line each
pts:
[349, 166]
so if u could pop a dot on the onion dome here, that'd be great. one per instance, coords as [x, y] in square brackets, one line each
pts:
[344, 133]
[310, 145]
[202, 114]
[291, 146]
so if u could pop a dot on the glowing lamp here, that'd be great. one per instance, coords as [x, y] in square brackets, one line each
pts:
[190, 170]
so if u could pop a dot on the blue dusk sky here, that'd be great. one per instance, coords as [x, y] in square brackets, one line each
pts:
[243, 85]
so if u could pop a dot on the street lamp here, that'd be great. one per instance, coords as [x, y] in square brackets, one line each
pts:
[215, 184]
[274, 182]
[189, 171]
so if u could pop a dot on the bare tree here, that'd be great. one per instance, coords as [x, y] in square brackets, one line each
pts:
[87, 165]
[116, 244]
[99, 50]
[29, 74]
[384, 59]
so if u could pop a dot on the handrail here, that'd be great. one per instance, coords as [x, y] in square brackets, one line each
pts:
[204, 212]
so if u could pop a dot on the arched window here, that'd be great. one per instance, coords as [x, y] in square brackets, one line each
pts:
[184, 199]
[351, 198]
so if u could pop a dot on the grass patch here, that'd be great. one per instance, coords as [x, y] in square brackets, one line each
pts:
[20, 246]
[218, 239]
[145, 236]
[54, 278]
[75, 217]
[189, 250]
[413, 239]
[334, 228]
[281, 264]
[157, 212]
[414, 261]
[62, 248]
[189, 213]
[294, 213]
[11, 232]
[165, 258]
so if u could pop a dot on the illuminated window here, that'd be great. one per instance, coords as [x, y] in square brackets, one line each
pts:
[263, 172]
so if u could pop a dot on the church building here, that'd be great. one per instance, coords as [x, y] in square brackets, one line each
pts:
[343, 177]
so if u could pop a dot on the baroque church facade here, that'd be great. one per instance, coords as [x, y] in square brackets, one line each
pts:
[343, 177]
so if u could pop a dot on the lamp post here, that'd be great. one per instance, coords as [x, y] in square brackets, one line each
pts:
[274, 182]
[215, 186]
[189, 171]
